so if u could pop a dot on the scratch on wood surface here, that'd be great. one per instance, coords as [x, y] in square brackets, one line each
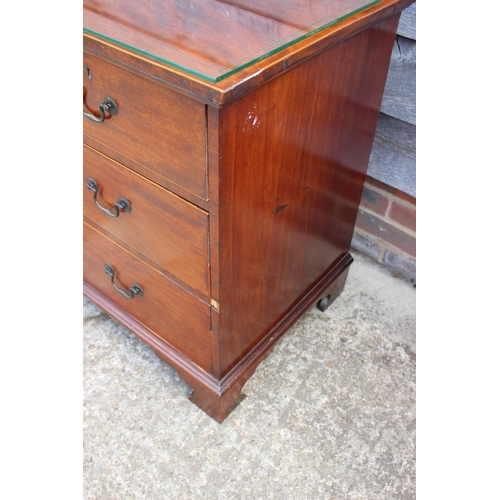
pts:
[280, 208]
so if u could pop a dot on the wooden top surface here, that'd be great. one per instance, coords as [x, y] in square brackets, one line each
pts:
[212, 39]
[220, 49]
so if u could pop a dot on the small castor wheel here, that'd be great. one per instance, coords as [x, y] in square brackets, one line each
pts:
[323, 304]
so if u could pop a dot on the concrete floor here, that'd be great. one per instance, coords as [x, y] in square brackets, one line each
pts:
[330, 414]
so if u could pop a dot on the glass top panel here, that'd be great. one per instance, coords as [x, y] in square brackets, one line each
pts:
[212, 39]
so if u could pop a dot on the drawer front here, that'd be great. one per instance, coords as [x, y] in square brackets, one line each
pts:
[160, 227]
[157, 131]
[169, 312]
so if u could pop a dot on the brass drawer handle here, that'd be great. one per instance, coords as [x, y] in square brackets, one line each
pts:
[134, 289]
[108, 106]
[122, 204]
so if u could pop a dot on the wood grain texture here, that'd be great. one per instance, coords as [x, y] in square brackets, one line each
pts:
[212, 37]
[294, 154]
[256, 74]
[157, 132]
[175, 316]
[161, 228]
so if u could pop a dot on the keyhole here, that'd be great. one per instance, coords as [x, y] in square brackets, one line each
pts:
[89, 74]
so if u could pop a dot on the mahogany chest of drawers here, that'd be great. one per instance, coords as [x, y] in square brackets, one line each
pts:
[225, 149]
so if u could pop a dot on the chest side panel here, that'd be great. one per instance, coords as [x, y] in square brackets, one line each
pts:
[293, 155]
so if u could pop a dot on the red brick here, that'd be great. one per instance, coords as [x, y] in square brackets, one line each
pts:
[404, 215]
[374, 201]
[375, 226]
[389, 189]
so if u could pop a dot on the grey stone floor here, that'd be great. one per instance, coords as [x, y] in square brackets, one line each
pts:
[330, 414]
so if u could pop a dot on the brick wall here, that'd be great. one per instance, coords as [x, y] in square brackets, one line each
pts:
[386, 228]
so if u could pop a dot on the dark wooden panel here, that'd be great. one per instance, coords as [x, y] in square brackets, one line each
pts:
[158, 132]
[160, 227]
[294, 154]
[171, 313]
